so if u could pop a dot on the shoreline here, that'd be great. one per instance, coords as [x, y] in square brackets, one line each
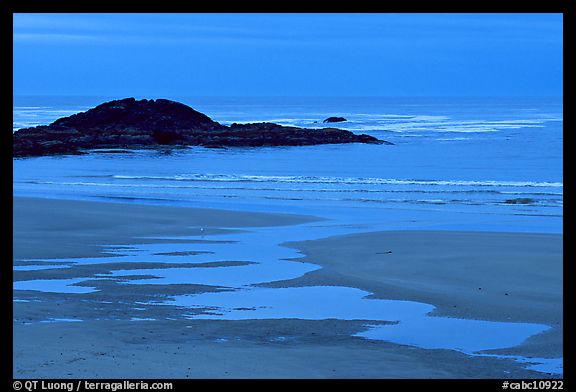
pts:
[41, 222]
[43, 228]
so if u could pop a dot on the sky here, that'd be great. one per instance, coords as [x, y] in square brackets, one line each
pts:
[288, 54]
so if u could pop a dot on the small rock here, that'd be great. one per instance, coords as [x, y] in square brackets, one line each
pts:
[520, 200]
[334, 119]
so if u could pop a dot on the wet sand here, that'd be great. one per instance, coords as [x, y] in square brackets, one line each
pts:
[50, 228]
[490, 276]
[510, 277]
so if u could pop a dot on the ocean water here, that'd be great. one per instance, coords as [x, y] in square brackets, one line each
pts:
[456, 164]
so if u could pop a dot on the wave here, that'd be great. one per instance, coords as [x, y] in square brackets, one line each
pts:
[292, 189]
[31, 107]
[451, 139]
[339, 180]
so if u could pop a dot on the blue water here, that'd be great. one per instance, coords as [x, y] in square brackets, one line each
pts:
[456, 164]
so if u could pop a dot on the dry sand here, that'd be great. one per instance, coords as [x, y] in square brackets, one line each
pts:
[493, 276]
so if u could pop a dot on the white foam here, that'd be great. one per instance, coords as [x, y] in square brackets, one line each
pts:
[338, 180]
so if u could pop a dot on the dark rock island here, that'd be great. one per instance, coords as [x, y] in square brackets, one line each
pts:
[334, 119]
[148, 123]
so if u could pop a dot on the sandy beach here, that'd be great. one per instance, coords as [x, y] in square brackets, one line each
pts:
[511, 277]
[483, 276]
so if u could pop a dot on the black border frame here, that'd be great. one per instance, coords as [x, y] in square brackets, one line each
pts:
[566, 7]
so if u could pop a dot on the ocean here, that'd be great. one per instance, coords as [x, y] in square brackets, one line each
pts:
[474, 164]
[456, 163]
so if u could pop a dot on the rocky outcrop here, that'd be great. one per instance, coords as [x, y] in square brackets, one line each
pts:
[334, 119]
[520, 200]
[140, 124]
